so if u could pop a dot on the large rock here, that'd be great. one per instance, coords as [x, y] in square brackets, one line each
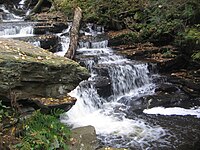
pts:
[188, 81]
[27, 72]
[83, 138]
[49, 42]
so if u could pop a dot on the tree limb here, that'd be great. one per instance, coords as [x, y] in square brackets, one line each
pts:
[74, 34]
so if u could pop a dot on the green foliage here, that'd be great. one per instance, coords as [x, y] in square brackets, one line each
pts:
[3, 111]
[44, 132]
[189, 40]
[57, 112]
[158, 21]
[196, 56]
[154, 20]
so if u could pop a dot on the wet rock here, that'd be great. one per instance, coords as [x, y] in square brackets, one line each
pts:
[49, 17]
[103, 86]
[27, 71]
[49, 42]
[166, 99]
[163, 99]
[49, 22]
[46, 105]
[83, 138]
[102, 70]
[188, 81]
[117, 38]
[166, 87]
[172, 64]
[43, 28]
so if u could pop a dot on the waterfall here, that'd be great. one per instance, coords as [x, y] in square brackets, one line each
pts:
[64, 40]
[107, 115]
[11, 31]
[130, 79]
[21, 4]
[8, 16]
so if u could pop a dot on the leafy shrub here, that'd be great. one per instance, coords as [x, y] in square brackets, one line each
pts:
[189, 40]
[44, 132]
[196, 56]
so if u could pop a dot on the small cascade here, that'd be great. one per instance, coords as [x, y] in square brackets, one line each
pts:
[7, 16]
[18, 30]
[21, 4]
[93, 30]
[101, 44]
[130, 79]
[107, 115]
[64, 40]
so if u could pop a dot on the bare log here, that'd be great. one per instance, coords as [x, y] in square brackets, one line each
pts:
[74, 34]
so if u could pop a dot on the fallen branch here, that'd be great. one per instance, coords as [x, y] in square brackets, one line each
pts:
[74, 34]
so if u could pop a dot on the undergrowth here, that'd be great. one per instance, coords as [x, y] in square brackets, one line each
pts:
[44, 132]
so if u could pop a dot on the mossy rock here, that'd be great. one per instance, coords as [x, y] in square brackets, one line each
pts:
[27, 71]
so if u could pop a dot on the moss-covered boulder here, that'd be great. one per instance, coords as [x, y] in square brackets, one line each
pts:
[27, 72]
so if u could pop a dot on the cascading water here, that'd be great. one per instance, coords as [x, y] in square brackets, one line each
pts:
[19, 30]
[10, 30]
[21, 4]
[64, 40]
[7, 16]
[108, 115]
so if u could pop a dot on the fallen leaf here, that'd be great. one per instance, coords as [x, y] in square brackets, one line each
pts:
[16, 57]
[39, 58]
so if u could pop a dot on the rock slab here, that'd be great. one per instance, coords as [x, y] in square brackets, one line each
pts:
[27, 72]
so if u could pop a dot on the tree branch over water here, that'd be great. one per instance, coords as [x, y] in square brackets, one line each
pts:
[74, 34]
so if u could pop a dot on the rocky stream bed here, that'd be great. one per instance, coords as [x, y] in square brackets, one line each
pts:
[125, 82]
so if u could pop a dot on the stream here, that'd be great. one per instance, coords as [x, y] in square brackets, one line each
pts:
[111, 108]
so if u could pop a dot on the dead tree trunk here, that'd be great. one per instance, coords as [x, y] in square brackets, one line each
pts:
[74, 34]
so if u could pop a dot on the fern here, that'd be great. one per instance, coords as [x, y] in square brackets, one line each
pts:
[57, 112]
[196, 56]
[45, 132]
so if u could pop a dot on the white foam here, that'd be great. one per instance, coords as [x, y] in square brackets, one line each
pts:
[17, 31]
[65, 40]
[112, 124]
[173, 111]
[11, 16]
[22, 2]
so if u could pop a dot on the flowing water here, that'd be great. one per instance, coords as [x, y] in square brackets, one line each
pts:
[8, 16]
[108, 115]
